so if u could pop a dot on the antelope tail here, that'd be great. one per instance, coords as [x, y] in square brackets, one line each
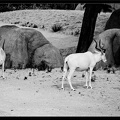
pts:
[3, 45]
[66, 67]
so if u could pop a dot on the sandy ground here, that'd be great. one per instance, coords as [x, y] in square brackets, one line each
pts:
[41, 94]
[61, 41]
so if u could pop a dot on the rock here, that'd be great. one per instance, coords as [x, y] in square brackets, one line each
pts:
[25, 78]
[30, 74]
[27, 48]
[110, 39]
[112, 53]
[79, 7]
[114, 20]
[47, 56]
[83, 75]
[93, 78]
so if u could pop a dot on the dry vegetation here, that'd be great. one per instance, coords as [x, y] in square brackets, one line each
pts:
[24, 95]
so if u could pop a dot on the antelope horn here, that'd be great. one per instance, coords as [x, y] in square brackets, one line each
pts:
[103, 50]
[96, 46]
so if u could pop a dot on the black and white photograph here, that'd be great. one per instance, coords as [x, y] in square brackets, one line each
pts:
[59, 59]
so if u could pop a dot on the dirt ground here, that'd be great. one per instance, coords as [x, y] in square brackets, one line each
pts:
[41, 94]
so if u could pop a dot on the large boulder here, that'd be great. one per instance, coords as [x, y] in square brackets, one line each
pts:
[109, 40]
[114, 20]
[23, 46]
[111, 34]
[47, 55]
[112, 23]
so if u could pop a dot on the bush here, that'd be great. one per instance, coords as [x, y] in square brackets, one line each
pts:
[77, 32]
[56, 27]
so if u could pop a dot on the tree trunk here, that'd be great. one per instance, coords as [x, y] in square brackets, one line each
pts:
[88, 26]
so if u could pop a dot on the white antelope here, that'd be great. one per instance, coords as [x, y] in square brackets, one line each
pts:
[85, 62]
[2, 59]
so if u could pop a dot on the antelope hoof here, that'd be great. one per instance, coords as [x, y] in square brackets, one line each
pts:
[86, 86]
[62, 88]
[3, 77]
[73, 89]
[90, 87]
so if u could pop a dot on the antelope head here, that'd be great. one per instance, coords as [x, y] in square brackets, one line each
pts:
[99, 49]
